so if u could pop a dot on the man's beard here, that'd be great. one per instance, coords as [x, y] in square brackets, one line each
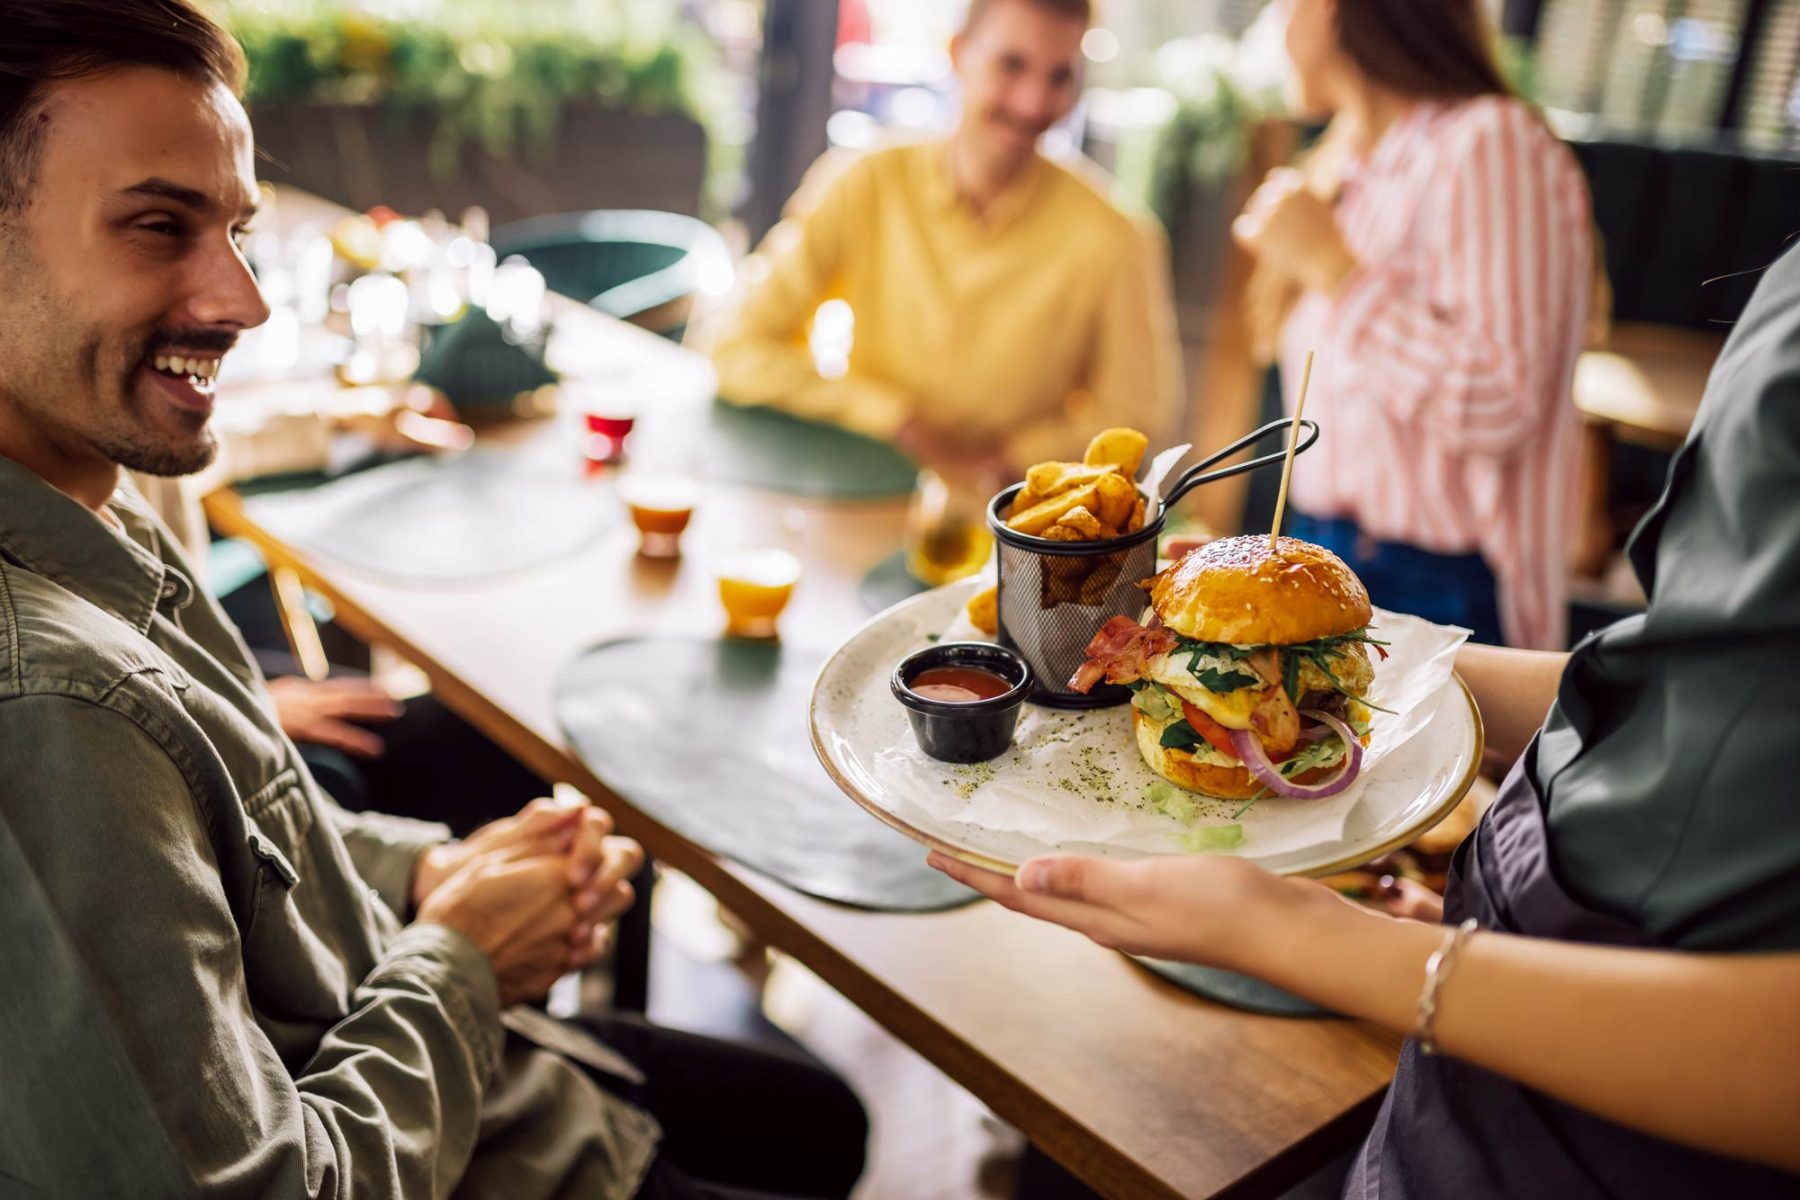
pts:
[162, 459]
[120, 432]
[51, 388]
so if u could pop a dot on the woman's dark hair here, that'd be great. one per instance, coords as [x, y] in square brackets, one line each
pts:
[47, 41]
[1432, 49]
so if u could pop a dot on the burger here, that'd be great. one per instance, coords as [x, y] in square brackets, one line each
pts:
[1250, 671]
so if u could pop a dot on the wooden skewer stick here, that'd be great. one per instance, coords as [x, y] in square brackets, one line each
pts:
[1287, 468]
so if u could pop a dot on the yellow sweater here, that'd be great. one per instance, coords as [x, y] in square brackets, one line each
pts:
[1026, 328]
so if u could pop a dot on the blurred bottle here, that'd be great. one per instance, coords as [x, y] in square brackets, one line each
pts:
[947, 536]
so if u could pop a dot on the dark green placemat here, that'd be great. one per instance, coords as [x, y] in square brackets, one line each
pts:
[710, 738]
[1230, 988]
[764, 448]
[888, 583]
[447, 520]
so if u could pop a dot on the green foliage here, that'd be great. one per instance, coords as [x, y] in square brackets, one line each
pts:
[495, 74]
[1519, 65]
[1206, 140]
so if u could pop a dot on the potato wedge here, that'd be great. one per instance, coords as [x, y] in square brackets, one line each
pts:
[1137, 517]
[984, 610]
[1118, 495]
[1052, 478]
[1084, 522]
[1041, 482]
[1039, 517]
[1121, 448]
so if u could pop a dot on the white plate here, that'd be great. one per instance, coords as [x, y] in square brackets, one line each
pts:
[854, 717]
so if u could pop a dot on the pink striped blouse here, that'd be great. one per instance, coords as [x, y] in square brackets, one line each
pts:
[1445, 362]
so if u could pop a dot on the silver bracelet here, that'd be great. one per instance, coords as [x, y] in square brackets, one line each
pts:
[1437, 969]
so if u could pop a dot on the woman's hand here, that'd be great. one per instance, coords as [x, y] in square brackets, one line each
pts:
[1703, 1049]
[1289, 228]
[1199, 909]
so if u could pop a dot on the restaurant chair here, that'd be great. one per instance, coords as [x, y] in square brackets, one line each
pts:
[634, 264]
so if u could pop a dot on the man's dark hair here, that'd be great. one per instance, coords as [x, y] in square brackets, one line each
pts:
[47, 41]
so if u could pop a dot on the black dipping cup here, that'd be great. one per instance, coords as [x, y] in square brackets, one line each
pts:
[964, 733]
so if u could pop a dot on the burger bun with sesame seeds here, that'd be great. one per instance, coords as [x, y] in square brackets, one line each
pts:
[1241, 592]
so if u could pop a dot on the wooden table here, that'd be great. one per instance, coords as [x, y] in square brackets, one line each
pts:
[1643, 389]
[1139, 1088]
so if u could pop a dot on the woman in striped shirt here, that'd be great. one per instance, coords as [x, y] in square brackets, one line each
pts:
[1437, 253]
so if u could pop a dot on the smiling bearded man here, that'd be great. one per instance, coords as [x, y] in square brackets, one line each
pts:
[109, 357]
[217, 983]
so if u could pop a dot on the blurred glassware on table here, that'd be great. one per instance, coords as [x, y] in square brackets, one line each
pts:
[661, 506]
[362, 297]
[947, 536]
[516, 299]
[754, 587]
[383, 349]
[608, 418]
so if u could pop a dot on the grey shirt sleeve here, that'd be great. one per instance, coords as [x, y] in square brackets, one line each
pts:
[135, 1061]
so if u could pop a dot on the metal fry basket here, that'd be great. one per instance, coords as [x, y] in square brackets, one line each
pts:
[1055, 595]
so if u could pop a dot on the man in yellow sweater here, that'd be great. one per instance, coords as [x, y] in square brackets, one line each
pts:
[1004, 307]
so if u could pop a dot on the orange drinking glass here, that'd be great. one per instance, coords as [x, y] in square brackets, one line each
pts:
[661, 507]
[754, 587]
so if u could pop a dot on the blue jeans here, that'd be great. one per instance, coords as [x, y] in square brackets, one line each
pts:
[1450, 589]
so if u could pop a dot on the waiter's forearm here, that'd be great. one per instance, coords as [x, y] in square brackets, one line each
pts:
[1514, 689]
[1699, 1049]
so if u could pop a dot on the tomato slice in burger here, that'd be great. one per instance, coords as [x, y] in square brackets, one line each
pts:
[1211, 730]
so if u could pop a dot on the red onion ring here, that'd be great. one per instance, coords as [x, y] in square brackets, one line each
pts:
[1249, 748]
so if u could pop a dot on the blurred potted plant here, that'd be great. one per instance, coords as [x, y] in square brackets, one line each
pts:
[1222, 89]
[522, 109]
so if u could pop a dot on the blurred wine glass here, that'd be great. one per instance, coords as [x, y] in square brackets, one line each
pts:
[947, 537]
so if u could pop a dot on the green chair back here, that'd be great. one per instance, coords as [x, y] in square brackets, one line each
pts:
[633, 264]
